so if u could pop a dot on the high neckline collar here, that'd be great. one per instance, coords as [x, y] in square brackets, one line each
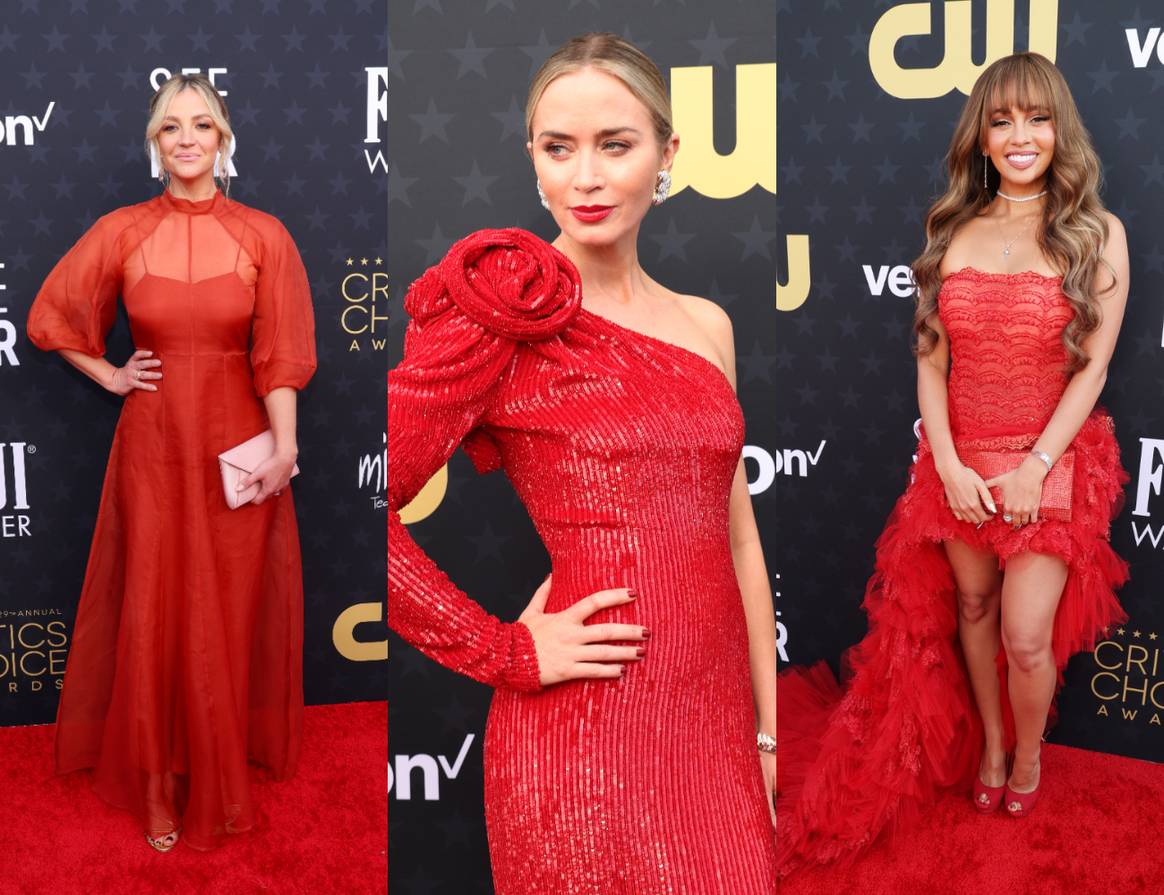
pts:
[190, 206]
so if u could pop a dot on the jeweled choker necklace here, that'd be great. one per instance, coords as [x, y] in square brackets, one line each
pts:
[1021, 198]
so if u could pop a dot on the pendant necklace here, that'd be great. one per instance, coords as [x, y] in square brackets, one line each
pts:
[1006, 245]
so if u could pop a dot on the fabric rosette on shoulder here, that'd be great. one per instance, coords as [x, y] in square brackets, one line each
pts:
[508, 281]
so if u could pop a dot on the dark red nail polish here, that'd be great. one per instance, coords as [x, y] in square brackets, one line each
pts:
[646, 633]
[631, 592]
[640, 651]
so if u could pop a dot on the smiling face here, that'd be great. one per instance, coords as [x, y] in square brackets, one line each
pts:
[189, 138]
[595, 152]
[1021, 144]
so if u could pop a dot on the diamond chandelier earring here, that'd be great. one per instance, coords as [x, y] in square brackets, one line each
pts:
[662, 188]
[542, 196]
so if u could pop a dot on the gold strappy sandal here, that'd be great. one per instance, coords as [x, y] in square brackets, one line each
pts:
[165, 841]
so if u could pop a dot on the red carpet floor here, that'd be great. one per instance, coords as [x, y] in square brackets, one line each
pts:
[1095, 831]
[323, 831]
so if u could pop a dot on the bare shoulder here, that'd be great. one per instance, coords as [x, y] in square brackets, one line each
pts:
[1116, 234]
[964, 241]
[710, 317]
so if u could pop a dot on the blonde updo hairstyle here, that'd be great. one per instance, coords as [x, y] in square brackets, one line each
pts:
[617, 57]
[201, 84]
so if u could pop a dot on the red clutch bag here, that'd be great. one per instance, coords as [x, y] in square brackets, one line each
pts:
[1055, 502]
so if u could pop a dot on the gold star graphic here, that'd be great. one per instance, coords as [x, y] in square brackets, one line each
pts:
[1120, 631]
[350, 262]
[1135, 633]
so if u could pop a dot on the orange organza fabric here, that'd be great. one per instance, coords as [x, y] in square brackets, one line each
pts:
[186, 657]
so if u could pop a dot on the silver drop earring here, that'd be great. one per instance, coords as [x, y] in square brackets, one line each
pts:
[662, 188]
[985, 165]
[542, 196]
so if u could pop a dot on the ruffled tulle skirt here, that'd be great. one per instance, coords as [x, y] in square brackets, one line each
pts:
[865, 759]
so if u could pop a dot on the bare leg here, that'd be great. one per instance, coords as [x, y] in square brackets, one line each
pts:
[1030, 595]
[979, 584]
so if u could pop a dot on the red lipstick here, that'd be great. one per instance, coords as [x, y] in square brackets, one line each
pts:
[591, 214]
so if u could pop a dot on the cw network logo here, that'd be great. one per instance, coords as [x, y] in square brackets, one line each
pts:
[1141, 48]
[787, 461]
[402, 768]
[899, 279]
[1149, 482]
[22, 129]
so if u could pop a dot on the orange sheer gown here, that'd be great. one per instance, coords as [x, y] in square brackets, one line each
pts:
[186, 657]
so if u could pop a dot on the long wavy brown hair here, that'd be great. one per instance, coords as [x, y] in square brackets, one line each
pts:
[1073, 229]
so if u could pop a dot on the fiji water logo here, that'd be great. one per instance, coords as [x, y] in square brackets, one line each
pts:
[1149, 484]
[14, 523]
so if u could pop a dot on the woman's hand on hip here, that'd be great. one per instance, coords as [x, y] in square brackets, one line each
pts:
[140, 371]
[568, 649]
[272, 474]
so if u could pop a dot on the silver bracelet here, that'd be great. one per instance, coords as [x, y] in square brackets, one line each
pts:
[766, 743]
[1045, 457]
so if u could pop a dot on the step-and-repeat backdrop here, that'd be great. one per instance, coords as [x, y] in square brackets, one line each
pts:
[306, 83]
[868, 96]
[458, 73]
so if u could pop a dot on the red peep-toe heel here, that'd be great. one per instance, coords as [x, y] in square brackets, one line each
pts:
[987, 798]
[1020, 804]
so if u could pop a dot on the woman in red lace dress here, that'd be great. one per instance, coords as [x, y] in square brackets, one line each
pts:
[988, 577]
[621, 746]
[186, 656]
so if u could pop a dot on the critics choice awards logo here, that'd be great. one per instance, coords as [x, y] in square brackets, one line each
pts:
[1128, 680]
[33, 647]
[364, 306]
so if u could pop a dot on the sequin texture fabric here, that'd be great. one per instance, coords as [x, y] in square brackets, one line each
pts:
[858, 761]
[622, 448]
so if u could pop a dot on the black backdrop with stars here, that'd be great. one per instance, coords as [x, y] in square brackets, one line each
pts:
[857, 169]
[458, 76]
[305, 81]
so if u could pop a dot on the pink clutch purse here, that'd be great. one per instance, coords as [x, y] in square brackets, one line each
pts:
[241, 460]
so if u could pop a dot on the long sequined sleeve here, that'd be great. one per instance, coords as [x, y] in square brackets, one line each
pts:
[469, 313]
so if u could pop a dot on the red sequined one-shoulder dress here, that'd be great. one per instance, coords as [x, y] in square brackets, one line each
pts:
[186, 655]
[623, 449]
[867, 757]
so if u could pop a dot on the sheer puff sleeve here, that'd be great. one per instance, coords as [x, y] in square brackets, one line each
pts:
[493, 290]
[283, 329]
[77, 302]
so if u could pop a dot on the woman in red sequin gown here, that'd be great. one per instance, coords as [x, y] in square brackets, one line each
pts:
[601, 778]
[186, 654]
[976, 602]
